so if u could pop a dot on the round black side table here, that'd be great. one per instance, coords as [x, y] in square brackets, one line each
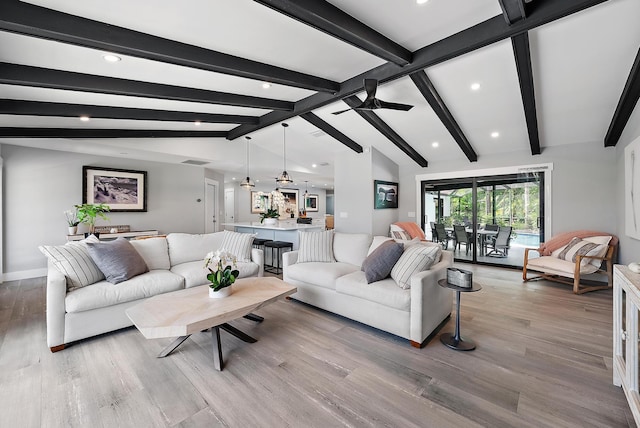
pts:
[455, 341]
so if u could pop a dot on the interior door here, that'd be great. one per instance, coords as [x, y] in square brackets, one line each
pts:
[211, 206]
[229, 206]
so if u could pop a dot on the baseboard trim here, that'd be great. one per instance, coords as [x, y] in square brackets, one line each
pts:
[23, 274]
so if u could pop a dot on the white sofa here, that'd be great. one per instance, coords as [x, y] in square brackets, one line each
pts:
[174, 263]
[341, 287]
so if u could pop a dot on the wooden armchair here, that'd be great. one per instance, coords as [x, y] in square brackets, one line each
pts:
[569, 266]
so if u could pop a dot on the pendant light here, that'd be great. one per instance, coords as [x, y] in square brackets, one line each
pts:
[247, 183]
[284, 178]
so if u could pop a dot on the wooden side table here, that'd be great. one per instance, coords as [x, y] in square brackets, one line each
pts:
[456, 341]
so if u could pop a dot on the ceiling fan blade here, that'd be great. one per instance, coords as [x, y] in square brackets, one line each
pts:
[341, 111]
[394, 106]
[370, 85]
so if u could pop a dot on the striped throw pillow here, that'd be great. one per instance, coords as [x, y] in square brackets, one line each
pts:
[584, 248]
[74, 261]
[416, 258]
[400, 234]
[238, 244]
[315, 247]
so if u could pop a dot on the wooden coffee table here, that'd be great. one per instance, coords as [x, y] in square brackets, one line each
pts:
[184, 312]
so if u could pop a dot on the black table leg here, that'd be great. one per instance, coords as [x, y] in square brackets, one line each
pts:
[254, 317]
[237, 333]
[456, 341]
[217, 348]
[169, 349]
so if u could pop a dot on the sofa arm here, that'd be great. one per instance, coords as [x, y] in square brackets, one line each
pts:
[430, 303]
[257, 256]
[289, 258]
[56, 293]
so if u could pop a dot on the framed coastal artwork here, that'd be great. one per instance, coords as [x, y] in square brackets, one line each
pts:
[121, 189]
[385, 194]
[311, 203]
[260, 202]
[632, 189]
[289, 208]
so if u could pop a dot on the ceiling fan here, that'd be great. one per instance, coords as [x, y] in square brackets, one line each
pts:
[372, 103]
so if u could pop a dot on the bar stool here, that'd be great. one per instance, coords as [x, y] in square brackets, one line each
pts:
[279, 246]
[259, 244]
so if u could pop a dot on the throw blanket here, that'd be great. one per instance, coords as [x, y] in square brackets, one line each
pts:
[546, 248]
[411, 228]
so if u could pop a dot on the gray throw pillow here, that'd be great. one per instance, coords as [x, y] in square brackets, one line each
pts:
[118, 260]
[377, 266]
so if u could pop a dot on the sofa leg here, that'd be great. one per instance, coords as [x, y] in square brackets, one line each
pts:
[57, 348]
[415, 344]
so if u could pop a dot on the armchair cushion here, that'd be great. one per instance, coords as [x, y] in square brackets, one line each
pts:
[584, 248]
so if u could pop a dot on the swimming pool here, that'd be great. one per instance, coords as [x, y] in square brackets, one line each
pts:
[526, 239]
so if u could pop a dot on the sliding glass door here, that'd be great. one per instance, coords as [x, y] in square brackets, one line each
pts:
[483, 206]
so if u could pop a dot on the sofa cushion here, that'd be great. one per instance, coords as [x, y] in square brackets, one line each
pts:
[238, 244]
[154, 251]
[315, 247]
[103, 293]
[320, 274]
[194, 273]
[385, 292]
[416, 258]
[351, 248]
[376, 242]
[556, 266]
[187, 247]
[75, 262]
[579, 247]
[378, 265]
[117, 259]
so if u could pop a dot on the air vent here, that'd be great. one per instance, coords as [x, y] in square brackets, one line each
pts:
[324, 164]
[194, 162]
[318, 133]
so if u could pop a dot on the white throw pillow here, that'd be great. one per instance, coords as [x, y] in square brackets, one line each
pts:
[585, 248]
[315, 247]
[75, 262]
[154, 251]
[238, 244]
[377, 241]
[416, 258]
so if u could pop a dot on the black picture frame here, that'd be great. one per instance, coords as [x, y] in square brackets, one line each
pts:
[123, 190]
[385, 194]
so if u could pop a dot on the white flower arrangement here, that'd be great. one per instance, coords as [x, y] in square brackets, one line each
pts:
[221, 277]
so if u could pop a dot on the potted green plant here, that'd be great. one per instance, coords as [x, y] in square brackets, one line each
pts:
[272, 214]
[72, 221]
[88, 213]
[221, 278]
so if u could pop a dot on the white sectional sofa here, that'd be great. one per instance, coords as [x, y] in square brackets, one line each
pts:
[341, 287]
[174, 263]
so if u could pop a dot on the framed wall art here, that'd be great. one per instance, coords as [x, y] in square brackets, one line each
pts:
[385, 194]
[311, 203]
[260, 202]
[290, 206]
[121, 189]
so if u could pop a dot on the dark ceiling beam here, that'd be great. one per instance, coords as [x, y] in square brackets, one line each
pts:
[483, 34]
[426, 88]
[24, 75]
[327, 18]
[104, 133]
[522, 54]
[330, 130]
[513, 10]
[626, 104]
[24, 18]
[40, 108]
[375, 121]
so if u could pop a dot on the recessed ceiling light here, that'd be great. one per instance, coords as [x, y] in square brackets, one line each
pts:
[266, 85]
[495, 134]
[84, 118]
[313, 185]
[435, 144]
[197, 123]
[111, 58]
[233, 178]
[475, 86]
[421, 1]
[314, 165]
[257, 181]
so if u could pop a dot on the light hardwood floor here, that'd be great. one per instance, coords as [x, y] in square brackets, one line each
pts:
[543, 359]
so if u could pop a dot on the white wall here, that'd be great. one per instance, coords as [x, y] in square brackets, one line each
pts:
[583, 179]
[39, 185]
[629, 247]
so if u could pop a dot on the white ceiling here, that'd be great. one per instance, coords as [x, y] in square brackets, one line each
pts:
[580, 65]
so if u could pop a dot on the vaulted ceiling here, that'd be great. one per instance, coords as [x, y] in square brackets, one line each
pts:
[189, 85]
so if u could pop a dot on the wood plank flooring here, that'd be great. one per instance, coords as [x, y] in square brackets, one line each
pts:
[543, 360]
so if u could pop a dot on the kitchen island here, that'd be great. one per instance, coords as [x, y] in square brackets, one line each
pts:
[284, 231]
